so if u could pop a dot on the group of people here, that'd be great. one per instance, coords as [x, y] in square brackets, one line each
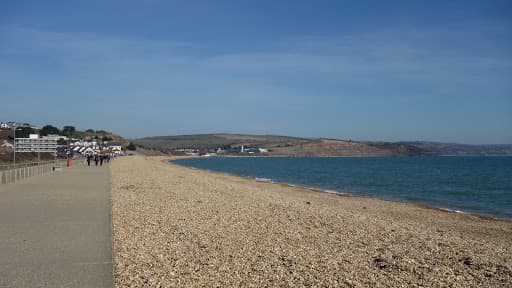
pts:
[98, 158]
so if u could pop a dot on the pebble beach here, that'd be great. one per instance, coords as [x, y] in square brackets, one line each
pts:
[178, 227]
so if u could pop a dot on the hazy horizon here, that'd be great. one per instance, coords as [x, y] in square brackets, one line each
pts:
[367, 71]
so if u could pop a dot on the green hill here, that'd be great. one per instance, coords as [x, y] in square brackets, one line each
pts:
[280, 145]
[214, 141]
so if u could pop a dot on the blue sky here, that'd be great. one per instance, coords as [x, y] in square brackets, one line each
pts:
[372, 70]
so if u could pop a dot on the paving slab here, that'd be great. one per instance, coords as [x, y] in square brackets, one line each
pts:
[55, 230]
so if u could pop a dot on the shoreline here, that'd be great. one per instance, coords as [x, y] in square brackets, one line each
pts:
[169, 161]
[182, 227]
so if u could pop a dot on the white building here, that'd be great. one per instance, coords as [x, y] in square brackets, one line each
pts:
[114, 148]
[54, 137]
[5, 144]
[35, 144]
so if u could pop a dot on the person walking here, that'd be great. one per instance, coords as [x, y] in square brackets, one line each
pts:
[101, 160]
[88, 160]
[96, 159]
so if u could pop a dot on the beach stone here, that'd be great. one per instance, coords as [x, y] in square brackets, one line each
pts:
[468, 261]
[178, 227]
[382, 263]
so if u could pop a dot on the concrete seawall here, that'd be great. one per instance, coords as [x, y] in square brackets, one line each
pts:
[13, 175]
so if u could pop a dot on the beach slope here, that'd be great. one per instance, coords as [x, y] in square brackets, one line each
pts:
[178, 227]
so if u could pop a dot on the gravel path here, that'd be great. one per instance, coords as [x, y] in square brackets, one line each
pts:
[178, 227]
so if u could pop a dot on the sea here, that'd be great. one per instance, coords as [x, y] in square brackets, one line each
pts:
[477, 185]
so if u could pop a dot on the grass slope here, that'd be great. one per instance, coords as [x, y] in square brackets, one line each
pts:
[281, 145]
[463, 149]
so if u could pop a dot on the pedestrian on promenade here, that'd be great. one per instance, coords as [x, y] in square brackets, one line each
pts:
[88, 160]
[101, 160]
[96, 159]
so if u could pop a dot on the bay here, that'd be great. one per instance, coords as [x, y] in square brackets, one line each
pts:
[479, 185]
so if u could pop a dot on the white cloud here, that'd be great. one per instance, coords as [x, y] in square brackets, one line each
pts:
[428, 56]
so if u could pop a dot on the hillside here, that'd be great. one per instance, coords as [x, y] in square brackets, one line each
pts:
[281, 145]
[323, 147]
[463, 149]
[214, 141]
[6, 154]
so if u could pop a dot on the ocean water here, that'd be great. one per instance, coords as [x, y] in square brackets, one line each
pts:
[480, 185]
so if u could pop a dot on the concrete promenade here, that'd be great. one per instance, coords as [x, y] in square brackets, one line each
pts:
[55, 230]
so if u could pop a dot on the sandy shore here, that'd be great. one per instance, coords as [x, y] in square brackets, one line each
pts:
[178, 227]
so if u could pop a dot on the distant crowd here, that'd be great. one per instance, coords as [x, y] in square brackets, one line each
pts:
[98, 159]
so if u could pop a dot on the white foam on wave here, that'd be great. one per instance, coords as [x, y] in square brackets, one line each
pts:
[263, 179]
[334, 192]
[452, 210]
[316, 189]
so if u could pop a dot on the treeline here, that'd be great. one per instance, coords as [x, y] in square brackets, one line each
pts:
[68, 131]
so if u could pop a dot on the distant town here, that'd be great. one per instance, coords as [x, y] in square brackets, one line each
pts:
[220, 151]
[67, 142]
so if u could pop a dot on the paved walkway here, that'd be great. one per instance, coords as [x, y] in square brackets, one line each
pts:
[55, 230]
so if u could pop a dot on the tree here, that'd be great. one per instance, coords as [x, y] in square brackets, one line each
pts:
[106, 138]
[79, 134]
[131, 147]
[23, 132]
[90, 131]
[49, 129]
[68, 130]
